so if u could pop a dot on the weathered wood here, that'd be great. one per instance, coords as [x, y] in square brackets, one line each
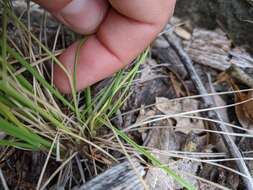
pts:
[213, 49]
[119, 177]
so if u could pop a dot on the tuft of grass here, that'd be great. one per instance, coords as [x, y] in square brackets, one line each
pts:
[34, 112]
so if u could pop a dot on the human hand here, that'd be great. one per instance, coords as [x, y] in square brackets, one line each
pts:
[120, 30]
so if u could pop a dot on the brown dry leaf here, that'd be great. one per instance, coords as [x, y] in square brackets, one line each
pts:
[182, 124]
[166, 140]
[244, 111]
[195, 143]
[163, 139]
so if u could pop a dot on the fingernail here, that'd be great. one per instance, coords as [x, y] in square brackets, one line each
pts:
[74, 7]
[83, 15]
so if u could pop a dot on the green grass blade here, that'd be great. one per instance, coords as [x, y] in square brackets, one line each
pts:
[88, 100]
[4, 43]
[74, 85]
[19, 145]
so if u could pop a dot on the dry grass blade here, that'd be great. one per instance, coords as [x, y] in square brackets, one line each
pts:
[4, 184]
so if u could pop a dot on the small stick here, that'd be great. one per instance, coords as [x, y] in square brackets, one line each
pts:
[4, 183]
[238, 74]
[208, 102]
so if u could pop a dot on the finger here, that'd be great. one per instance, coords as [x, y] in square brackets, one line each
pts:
[148, 11]
[53, 6]
[121, 37]
[82, 16]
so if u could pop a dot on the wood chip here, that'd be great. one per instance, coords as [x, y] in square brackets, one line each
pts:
[213, 49]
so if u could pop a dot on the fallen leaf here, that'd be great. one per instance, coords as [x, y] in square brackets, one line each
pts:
[163, 139]
[182, 124]
[195, 143]
[244, 111]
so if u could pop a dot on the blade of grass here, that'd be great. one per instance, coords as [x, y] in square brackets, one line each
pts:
[4, 42]
[120, 83]
[18, 145]
[88, 100]
[74, 89]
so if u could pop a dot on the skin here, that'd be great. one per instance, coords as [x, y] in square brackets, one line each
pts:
[119, 30]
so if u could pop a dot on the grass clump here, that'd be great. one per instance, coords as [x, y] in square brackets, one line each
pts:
[34, 112]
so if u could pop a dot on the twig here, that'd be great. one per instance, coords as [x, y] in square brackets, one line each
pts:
[208, 102]
[238, 74]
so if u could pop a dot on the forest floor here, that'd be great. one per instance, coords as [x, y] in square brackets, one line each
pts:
[190, 104]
